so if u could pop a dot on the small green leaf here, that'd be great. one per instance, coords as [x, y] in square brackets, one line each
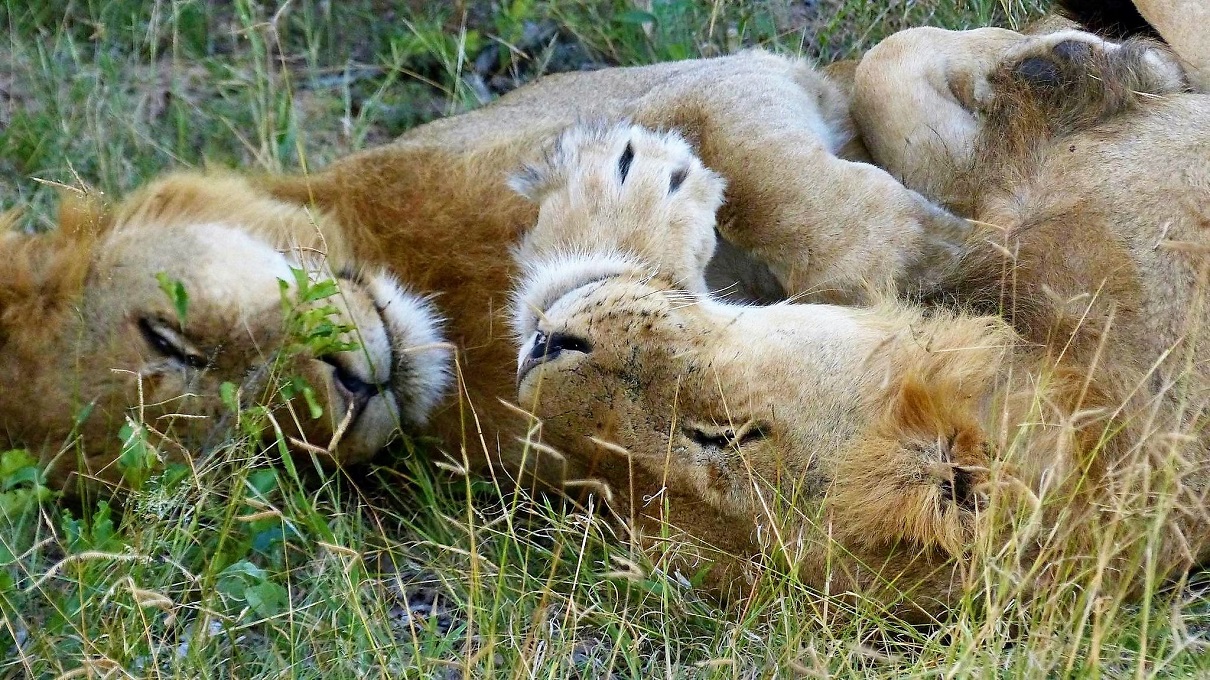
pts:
[323, 289]
[95, 532]
[229, 394]
[312, 403]
[267, 599]
[263, 481]
[13, 461]
[302, 280]
[26, 475]
[175, 290]
[284, 287]
[248, 584]
[138, 457]
[23, 484]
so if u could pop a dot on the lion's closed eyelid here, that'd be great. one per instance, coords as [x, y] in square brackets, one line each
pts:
[725, 437]
[169, 343]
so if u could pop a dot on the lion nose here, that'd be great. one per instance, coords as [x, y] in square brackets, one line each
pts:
[547, 347]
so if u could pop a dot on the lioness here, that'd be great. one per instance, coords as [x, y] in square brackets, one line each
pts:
[91, 336]
[1046, 403]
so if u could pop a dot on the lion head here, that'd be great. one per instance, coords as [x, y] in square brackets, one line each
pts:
[832, 436]
[192, 294]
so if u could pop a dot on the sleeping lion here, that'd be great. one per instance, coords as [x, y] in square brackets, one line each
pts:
[416, 236]
[1041, 407]
[372, 297]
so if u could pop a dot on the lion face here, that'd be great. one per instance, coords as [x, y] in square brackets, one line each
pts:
[801, 428]
[844, 442]
[720, 389]
[359, 357]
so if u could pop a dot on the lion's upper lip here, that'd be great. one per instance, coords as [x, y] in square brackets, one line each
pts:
[355, 386]
[410, 350]
[392, 354]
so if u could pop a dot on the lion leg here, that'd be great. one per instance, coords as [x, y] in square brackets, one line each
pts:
[915, 97]
[830, 228]
[919, 96]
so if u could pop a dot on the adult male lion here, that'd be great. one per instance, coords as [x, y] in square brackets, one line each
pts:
[1045, 408]
[89, 340]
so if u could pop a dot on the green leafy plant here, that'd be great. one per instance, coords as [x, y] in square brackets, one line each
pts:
[22, 486]
[138, 458]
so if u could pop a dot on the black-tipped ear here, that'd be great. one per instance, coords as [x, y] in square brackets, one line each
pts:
[958, 484]
[917, 478]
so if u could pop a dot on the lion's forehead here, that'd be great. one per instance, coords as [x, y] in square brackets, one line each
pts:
[234, 265]
[222, 268]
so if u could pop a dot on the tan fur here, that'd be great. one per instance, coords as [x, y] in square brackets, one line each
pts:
[87, 296]
[1060, 406]
[924, 134]
[1182, 24]
[435, 210]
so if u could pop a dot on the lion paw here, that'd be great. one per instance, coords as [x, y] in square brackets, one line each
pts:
[625, 190]
[1067, 57]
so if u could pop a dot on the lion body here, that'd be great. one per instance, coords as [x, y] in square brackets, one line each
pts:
[1045, 406]
[434, 209]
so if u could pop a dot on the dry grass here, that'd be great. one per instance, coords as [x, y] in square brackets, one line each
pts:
[243, 566]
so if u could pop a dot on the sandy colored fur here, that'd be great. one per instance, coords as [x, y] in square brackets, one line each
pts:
[435, 210]
[1045, 403]
[1182, 24]
[436, 207]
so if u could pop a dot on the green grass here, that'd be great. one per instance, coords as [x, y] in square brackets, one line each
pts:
[246, 564]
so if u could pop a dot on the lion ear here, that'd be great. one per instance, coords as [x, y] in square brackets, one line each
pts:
[916, 479]
[42, 274]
